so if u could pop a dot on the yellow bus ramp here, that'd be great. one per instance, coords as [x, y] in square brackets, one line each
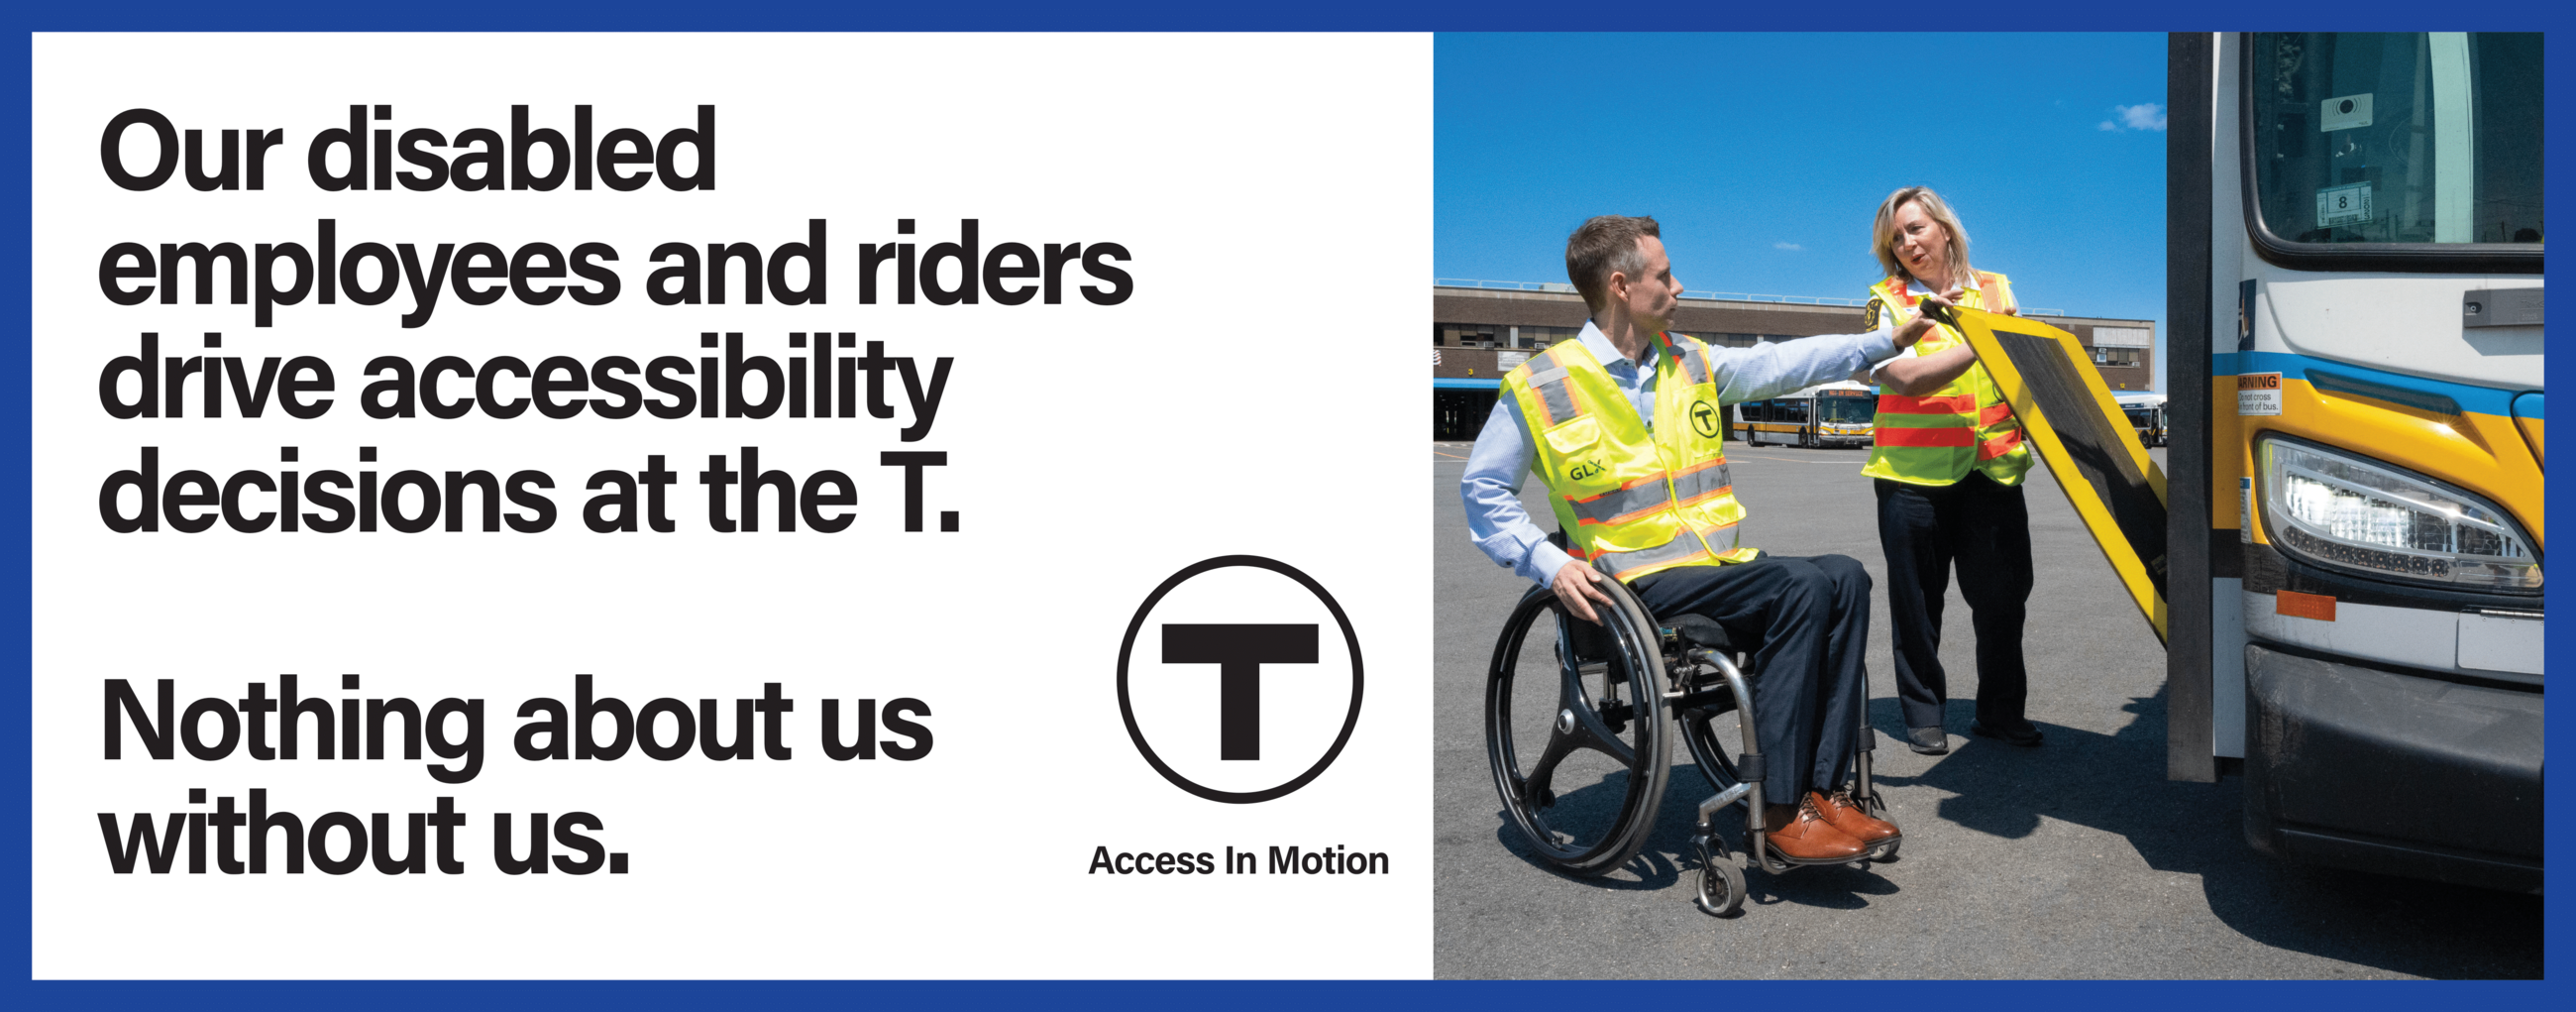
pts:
[2069, 419]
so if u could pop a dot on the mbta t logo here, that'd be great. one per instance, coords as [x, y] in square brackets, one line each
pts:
[1704, 418]
[1239, 651]
[1241, 691]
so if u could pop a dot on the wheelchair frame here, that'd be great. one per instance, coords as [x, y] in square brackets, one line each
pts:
[1687, 667]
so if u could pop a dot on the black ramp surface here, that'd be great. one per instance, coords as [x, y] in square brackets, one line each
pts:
[2093, 444]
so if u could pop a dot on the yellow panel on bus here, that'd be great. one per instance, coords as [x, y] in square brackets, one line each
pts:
[2070, 419]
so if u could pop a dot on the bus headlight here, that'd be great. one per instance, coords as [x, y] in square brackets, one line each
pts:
[2353, 513]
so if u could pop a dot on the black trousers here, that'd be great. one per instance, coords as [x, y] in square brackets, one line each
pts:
[1811, 616]
[1984, 529]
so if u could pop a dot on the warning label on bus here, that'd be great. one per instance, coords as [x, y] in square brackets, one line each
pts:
[2258, 393]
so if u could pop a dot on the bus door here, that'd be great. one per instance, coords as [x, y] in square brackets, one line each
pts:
[2356, 220]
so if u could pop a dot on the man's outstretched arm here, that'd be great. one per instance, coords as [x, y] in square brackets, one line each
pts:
[1769, 370]
[1918, 375]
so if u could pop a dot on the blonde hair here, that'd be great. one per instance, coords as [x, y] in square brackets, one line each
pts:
[1882, 234]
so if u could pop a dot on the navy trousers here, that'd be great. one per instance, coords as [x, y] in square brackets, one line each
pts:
[1983, 529]
[1811, 616]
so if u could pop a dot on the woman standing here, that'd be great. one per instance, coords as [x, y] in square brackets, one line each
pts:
[1948, 461]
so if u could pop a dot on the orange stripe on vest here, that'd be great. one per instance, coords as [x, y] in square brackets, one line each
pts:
[1952, 436]
[1997, 446]
[1711, 494]
[1953, 404]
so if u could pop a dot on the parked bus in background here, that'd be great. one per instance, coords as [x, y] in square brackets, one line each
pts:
[2354, 242]
[1833, 414]
[2146, 413]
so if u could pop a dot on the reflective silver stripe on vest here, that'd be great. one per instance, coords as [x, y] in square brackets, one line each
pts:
[1547, 378]
[1694, 362]
[1609, 506]
[1700, 482]
[1683, 546]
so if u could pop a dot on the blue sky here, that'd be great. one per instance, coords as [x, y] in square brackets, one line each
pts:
[1763, 156]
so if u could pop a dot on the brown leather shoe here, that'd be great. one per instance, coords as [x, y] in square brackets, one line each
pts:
[1844, 813]
[1802, 834]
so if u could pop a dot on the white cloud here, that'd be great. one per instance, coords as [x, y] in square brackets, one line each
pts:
[1790, 246]
[2149, 116]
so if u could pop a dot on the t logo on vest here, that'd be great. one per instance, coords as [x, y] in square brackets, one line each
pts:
[1233, 683]
[1704, 418]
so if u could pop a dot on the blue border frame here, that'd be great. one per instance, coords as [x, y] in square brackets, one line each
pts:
[16, 771]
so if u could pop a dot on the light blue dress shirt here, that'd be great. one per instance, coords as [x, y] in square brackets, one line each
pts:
[1501, 459]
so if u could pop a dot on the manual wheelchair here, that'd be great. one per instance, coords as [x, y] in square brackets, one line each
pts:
[1602, 699]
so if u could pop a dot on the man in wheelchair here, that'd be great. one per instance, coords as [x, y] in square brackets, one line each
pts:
[1625, 425]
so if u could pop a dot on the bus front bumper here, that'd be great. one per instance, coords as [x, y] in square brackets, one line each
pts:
[2370, 769]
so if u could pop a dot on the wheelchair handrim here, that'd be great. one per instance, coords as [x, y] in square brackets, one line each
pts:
[1636, 641]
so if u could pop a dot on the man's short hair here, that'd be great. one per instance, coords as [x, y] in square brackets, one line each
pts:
[1604, 245]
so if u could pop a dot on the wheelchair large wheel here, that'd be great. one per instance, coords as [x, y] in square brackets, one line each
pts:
[1576, 730]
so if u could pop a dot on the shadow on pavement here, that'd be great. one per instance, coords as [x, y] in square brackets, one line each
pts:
[2116, 783]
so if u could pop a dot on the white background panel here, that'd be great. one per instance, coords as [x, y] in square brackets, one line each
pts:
[1274, 193]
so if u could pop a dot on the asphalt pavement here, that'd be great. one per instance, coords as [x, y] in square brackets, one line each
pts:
[2077, 859]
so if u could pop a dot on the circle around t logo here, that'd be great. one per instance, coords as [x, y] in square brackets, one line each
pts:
[1238, 650]
[1704, 419]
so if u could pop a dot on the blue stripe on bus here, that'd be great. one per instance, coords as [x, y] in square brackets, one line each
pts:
[2483, 400]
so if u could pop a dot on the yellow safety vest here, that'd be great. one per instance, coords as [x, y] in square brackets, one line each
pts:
[1935, 439]
[1647, 502]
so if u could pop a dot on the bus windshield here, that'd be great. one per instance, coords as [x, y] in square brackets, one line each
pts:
[1857, 410]
[2424, 137]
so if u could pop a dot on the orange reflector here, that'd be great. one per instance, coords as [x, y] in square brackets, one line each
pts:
[2298, 605]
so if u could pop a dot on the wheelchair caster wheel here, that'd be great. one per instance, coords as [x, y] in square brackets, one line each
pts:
[1886, 851]
[1721, 888]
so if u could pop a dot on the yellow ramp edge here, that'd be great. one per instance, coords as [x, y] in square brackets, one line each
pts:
[2069, 419]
